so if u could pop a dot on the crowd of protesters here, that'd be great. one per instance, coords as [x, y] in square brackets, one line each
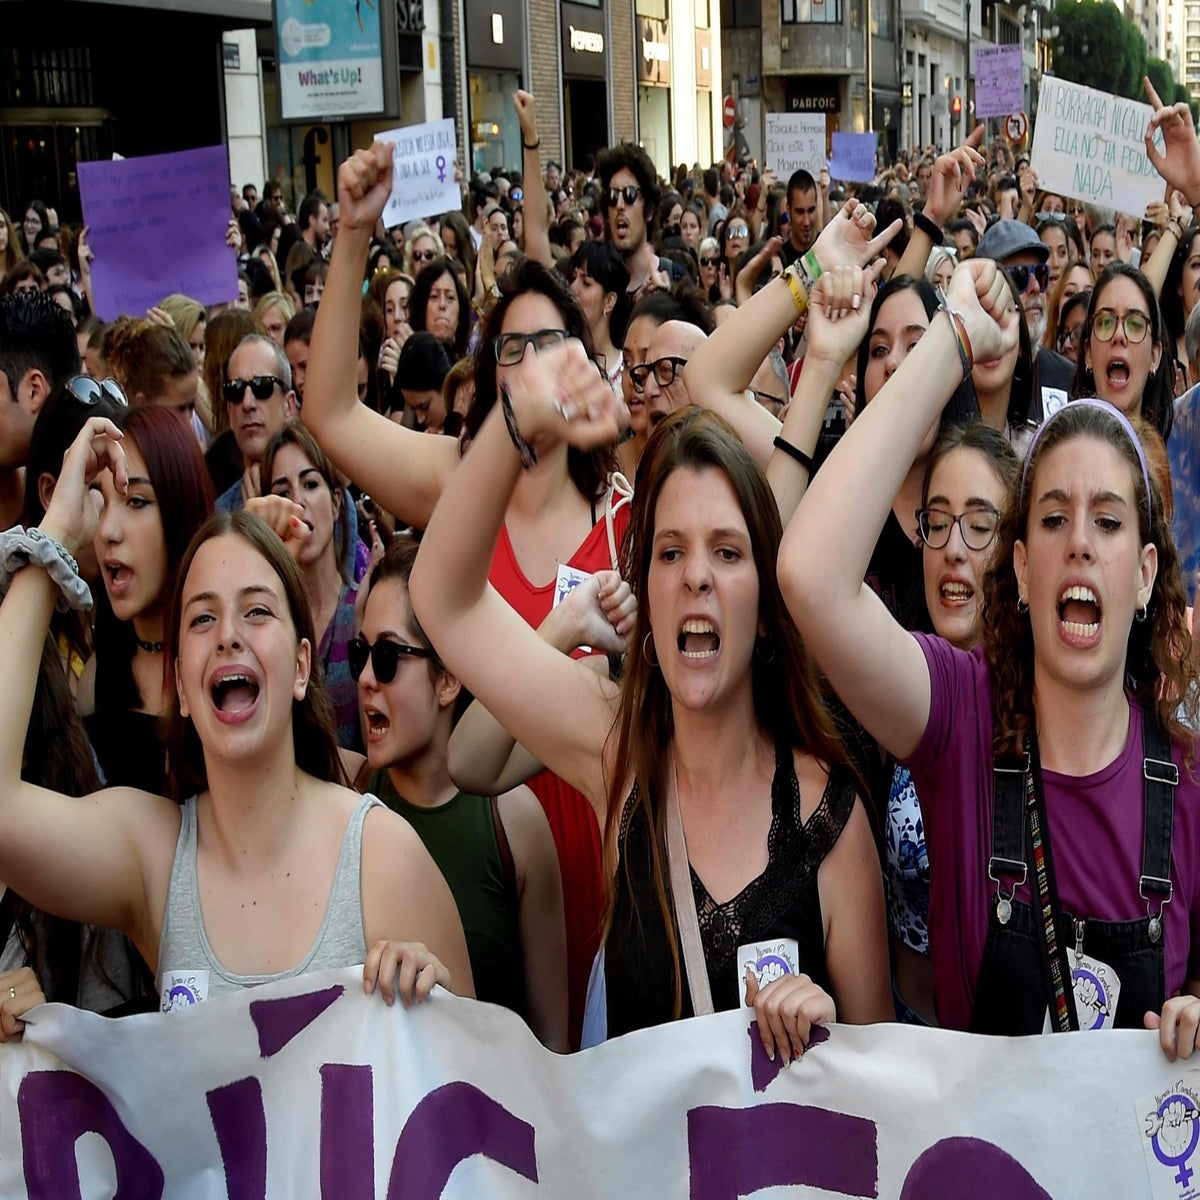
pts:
[567, 599]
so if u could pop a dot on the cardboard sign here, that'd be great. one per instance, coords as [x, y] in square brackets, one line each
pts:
[1091, 145]
[795, 141]
[422, 171]
[157, 226]
[999, 84]
[853, 157]
[308, 1088]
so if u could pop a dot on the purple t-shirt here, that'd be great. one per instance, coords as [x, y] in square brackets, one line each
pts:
[1095, 824]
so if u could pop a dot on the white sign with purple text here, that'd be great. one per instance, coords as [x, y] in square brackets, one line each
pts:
[309, 1089]
[423, 182]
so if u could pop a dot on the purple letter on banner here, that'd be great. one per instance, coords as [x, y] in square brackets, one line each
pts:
[735, 1151]
[157, 226]
[57, 1108]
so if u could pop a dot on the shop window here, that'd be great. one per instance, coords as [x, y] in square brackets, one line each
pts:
[811, 12]
[741, 14]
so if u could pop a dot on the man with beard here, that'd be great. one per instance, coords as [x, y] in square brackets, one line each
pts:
[629, 196]
[1022, 254]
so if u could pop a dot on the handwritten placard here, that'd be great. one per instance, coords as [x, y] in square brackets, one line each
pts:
[795, 141]
[422, 171]
[1091, 145]
[853, 157]
[999, 86]
[157, 225]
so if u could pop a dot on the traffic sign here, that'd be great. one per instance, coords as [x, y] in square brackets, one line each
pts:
[729, 113]
[1016, 127]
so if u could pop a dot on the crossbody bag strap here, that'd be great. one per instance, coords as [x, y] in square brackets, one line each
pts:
[1161, 777]
[685, 905]
[1054, 953]
[1007, 867]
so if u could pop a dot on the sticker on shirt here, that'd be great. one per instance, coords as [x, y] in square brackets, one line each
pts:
[1095, 989]
[1052, 400]
[1169, 1127]
[569, 578]
[770, 960]
[182, 989]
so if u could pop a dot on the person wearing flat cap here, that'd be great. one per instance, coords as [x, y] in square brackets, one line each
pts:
[1022, 254]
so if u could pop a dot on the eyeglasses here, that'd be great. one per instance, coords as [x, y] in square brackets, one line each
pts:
[1021, 276]
[424, 255]
[629, 193]
[710, 262]
[91, 392]
[261, 387]
[977, 526]
[1069, 339]
[510, 347]
[385, 657]
[1136, 325]
[665, 370]
[737, 231]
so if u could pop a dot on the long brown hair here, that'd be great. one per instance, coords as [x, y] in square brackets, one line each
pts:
[786, 690]
[316, 746]
[1160, 663]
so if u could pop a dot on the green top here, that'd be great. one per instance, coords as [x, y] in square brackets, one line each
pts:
[460, 836]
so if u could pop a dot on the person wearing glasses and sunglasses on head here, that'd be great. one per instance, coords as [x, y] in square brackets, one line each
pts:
[38, 354]
[259, 402]
[1123, 356]
[495, 852]
[565, 512]
[1023, 255]
[420, 249]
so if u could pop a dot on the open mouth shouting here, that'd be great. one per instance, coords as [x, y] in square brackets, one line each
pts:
[1079, 615]
[377, 724]
[118, 577]
[1118, 373]
[234, 692]
[698, 640]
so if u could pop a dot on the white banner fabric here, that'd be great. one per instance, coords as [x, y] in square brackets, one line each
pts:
[311, 1089]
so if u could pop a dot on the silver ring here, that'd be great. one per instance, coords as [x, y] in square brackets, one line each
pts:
[12, 991]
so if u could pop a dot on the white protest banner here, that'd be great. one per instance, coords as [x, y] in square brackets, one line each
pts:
[308, 1089]
[853, 157]
[1092, 146]
[795, 141]
[999, 84]
[422, 171]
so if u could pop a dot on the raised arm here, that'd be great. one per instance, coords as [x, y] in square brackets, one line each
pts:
[86, 858]
[719, 373]
[947, 189]
[1179, 160]
[1171, 217]
[549, 703]
[537, 226]
[872, 663]
[484, 757]
[403, 470]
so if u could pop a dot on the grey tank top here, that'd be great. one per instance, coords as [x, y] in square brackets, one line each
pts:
[188, 970]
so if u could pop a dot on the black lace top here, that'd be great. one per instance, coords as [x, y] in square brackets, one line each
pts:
[782, 902]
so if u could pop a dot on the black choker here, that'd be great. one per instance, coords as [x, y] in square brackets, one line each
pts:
[149, 647]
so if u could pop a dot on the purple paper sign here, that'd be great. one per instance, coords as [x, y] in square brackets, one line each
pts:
[999, 86]
[157, 226]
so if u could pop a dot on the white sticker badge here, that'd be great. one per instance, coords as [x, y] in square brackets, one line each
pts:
[1095, 989]
[769, 961]
[182, 989]
[1169, 1124]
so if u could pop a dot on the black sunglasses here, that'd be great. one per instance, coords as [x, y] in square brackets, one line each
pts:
[261, 387]
[384, 655]
[424, 255]
[630, 192]
[91, 392]
[709, 262]
[1020, 275]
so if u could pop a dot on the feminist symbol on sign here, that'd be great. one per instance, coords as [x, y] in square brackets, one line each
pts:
[1174, 1130]
[440, 163]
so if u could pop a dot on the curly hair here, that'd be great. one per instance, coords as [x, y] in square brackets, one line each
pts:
[1160, 664]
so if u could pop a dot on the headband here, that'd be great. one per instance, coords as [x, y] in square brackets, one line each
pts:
[1118, 416]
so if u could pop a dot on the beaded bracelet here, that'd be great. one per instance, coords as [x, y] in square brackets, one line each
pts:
[524, 449]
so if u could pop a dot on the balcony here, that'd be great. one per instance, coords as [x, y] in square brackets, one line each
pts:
[937, 16]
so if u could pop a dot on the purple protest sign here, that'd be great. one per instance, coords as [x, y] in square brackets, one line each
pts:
[157, 226]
